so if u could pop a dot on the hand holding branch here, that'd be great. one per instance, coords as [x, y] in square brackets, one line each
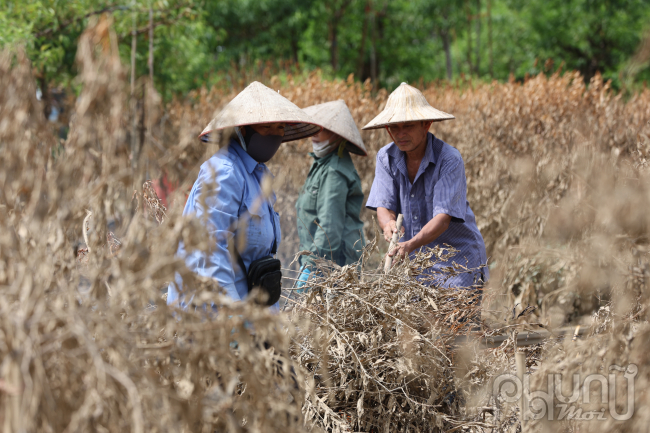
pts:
[390, 229]
[395, 228]
[401, 250]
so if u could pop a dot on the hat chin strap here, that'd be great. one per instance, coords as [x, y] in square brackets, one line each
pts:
[241, 138]
[391, 135]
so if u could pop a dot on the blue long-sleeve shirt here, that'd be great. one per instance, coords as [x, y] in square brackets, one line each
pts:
[227, 192]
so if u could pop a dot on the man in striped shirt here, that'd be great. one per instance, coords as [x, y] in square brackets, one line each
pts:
[423, 178]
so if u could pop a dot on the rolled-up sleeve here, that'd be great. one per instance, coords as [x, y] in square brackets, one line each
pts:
[383, 192]
[450, 191]
[217, 197]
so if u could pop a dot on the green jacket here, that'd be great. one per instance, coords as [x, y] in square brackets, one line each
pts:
[332, 197]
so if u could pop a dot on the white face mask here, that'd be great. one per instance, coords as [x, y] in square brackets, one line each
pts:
[323, 148]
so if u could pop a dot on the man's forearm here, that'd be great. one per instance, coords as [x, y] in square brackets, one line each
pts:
[430, 232]
[384, 216]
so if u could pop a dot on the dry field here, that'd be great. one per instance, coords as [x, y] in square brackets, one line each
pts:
[558, 180]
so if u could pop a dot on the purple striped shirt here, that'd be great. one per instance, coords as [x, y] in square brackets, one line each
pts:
[440, 187]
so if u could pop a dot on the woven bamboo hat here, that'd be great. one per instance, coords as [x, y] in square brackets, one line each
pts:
[336, 117]
[406, 104]
[259, 104]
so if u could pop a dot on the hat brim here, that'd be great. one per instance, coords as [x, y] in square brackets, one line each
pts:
[257, 104]
[335, 116]
[407, 104]
[293, 131]
[379, 122]
[353, 148]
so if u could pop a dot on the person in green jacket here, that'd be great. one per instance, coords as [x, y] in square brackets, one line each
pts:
[330, 202]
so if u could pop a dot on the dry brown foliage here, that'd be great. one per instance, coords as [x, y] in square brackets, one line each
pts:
[377, 347]
[556, 177]
[90, 345]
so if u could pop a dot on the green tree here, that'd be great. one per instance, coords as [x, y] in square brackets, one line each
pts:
[199, 42]
[256, 29]
[49, 30]
[587, 35]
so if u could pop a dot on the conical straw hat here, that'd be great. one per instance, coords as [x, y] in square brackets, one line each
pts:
[336, 117]
[259, 104]
[406, 104]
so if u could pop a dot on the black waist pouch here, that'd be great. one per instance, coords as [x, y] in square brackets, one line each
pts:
[266, 274]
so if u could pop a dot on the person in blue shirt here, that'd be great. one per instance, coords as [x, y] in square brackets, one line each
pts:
[423, 178]
[228, 192]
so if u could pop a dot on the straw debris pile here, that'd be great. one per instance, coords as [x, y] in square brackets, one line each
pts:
[377, 348]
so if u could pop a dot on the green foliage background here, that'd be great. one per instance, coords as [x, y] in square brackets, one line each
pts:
[203, 42]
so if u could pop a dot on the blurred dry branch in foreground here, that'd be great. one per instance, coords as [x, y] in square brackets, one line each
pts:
[91, 346]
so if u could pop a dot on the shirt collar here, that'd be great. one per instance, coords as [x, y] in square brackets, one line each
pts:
[430, 155]
[249, 163]
[322, 159]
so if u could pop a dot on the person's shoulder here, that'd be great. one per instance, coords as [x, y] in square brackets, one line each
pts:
[448, 153]
[222, 163]
[344, 165]
[389, 149]
[219, 161]
[387, 152]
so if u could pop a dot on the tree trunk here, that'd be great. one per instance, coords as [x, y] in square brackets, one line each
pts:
[444, 35]
[334, 49]
[151, 43]
[362, 47]
[149, 97]
[134, 122]
[489, 16]
[134, 46]
[373, 49]
[468, 11]
[336, 14]
[294, 48]
[478, 37]
[378, 36]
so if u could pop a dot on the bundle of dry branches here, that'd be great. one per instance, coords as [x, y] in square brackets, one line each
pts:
[378, 345]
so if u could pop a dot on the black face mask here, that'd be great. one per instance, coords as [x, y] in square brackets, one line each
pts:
[261, 147]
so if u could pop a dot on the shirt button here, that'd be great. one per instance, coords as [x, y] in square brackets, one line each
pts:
[412, 195]
[415, 217]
